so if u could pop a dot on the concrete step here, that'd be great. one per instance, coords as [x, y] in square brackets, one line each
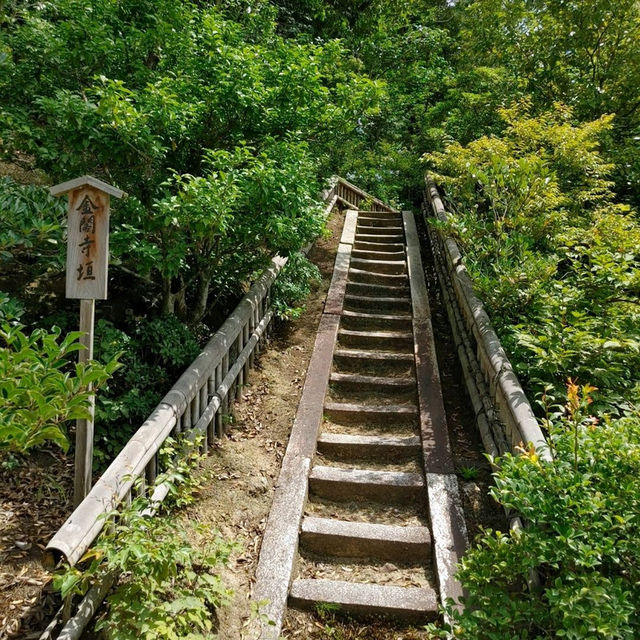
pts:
[369, 254]
[380, 214]
[341, 538]
[393, 267]
[392, 238]
[380, 384]
[361, 245]
[344, 445]
[371, 221]
[378, 289]
[336, 483]
[354, 413]
[377, 230]
[371, 277]
[373, 356]
[369, 303]
[411, 604]
[377, 340]
[359, 320]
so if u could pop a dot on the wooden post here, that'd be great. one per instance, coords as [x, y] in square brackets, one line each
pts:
[84, 428]
[87, 270]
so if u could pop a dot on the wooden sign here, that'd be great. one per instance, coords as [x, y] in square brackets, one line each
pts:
[87, 236]
[87, 271]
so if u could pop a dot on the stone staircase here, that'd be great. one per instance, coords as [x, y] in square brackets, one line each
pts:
[377, 528]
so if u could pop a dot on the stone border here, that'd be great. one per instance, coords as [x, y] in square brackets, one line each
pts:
[448, 527]
[505, 418]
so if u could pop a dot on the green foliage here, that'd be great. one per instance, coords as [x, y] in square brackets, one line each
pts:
[585, 54]
[551, 253]
[30, 227]
[582, 512]
[166, 587]
[218, 128]
[40, 389]
[293, 285]
[154, 354]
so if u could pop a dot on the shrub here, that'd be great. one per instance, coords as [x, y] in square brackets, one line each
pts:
[582, 512]
[166, 587]
[551, 253]
[154, 354]
[293, 285]
[41, 390]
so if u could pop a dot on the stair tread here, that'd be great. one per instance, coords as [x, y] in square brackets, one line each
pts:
[391, 239]
[365, 218]
[372, 355]
[387, 409]
[381, 299]
[359, 597]
[376, 316]
[376, 380]
[409, 442]
[365, 227]
[368, 261]
[376, 334]
[377, 287]
[366, 530]
[383, 246]
[390, 276]
[367, 476]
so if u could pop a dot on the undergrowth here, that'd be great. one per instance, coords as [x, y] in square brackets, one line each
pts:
[166, 586]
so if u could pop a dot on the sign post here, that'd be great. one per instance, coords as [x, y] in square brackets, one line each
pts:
[87, 267]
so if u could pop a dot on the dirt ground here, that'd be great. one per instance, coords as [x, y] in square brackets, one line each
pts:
[245, 465]
[34, 502]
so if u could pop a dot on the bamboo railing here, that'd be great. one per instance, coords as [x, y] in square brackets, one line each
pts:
[196, 405]
[503, 413]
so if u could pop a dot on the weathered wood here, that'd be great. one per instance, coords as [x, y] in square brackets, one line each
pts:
[84, 524]
[83, 460]
[87, 244]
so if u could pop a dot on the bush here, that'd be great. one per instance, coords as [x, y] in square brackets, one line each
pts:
[166, 587]
[41, 390]
[154, 354]
[550, 252]
[582, 512]
[293, 285]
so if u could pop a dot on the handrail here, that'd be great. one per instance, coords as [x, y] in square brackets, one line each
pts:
[488, 371]
[197, 402]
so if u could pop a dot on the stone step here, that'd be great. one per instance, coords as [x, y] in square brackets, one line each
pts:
[365, 245]
[357, 413]
[341, 538]
[371, 221]
[371, 290]
[368, 303]
[378, 289]
[411, 604]
[336, 483]
[373, 356]
[377, 230]
[359, 320]
[381, 239]
[372, 383]
[380, 214]
[376, 340]
[368, 254]
[393, 267]
[371, 277]
[345, 445]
